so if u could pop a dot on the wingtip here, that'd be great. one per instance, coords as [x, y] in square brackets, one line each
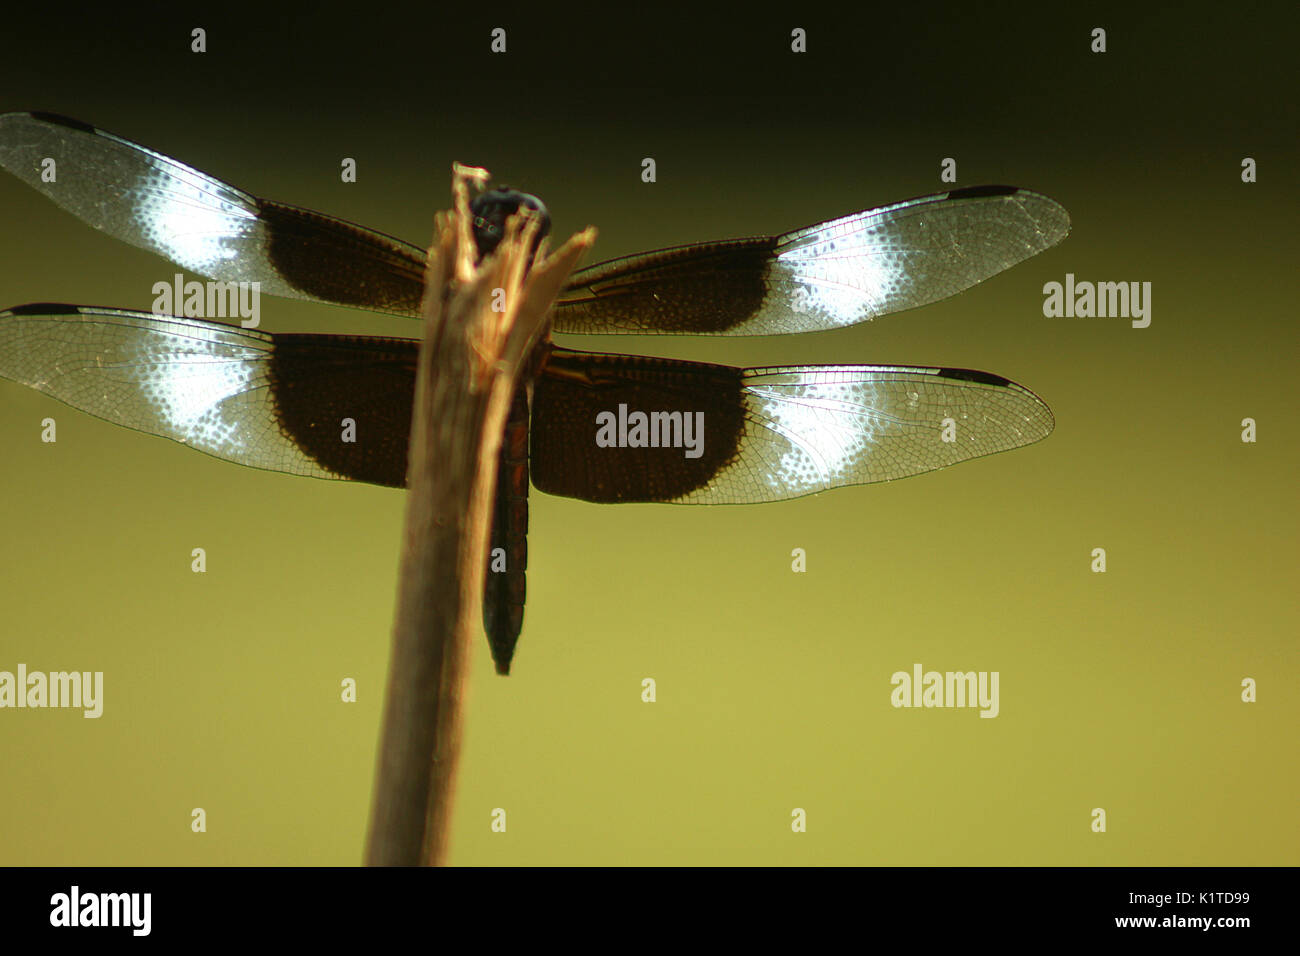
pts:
[1047, 423]
[1058, 224]
[1052, 217]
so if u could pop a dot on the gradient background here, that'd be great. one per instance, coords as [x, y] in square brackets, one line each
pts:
[1118, 691]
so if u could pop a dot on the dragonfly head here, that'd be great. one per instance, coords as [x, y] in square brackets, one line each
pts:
[491, 210]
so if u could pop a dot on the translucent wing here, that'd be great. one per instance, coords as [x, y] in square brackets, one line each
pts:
[274, 402]
[205, 225]
[767, 433]
[825, 276]
[832, 274]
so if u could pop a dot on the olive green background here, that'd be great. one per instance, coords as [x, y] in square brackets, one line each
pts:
[1118, 690]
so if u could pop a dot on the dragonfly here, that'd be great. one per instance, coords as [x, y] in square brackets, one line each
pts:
[599, 427]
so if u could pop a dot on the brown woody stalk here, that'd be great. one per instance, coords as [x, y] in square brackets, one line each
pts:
[470, 362]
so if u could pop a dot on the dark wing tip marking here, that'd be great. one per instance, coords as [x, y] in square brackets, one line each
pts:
[44, 308]
[59, 119]
[973, 375]
[973, 192]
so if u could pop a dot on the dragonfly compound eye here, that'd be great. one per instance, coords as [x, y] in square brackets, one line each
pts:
[491, 210]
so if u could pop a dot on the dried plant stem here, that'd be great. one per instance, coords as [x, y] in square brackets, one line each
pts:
[470, 362]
